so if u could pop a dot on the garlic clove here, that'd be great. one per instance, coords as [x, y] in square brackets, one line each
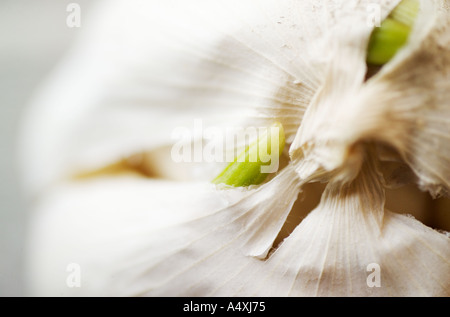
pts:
[331, 253]
[125, 87]
[96, 222]
[121, 233]
[339, 244]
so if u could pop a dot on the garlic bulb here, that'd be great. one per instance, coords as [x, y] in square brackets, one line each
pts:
[144, 68]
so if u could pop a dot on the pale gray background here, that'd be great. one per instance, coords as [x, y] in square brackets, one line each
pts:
[33, 38]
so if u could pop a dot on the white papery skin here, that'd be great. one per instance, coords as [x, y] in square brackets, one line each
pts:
[144, 68]
[328, 254]
[406, 105]
[94, 223]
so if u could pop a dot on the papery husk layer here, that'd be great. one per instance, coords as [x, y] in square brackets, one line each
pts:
[405, 105]
[223, 249]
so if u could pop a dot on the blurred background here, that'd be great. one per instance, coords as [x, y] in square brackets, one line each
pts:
[33, 37]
